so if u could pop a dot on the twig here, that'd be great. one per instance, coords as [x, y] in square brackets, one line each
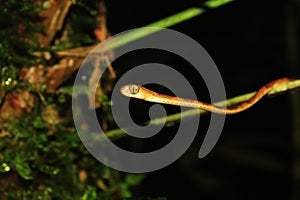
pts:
[139, 33]
[54, 18]
[118, 133]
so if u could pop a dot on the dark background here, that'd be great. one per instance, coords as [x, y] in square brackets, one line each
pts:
[252, 43]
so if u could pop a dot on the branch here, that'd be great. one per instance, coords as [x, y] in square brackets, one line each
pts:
[118, 133]
[54, 18]
[137, 34]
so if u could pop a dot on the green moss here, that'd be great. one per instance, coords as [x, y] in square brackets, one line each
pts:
[22, 167]
[41, 154]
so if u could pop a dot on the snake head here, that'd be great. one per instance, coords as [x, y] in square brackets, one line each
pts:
[130, 90]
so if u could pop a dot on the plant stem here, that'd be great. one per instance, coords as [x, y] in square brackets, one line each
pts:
[119, 133]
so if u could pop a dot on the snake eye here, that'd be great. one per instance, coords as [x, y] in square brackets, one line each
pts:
[134, 89]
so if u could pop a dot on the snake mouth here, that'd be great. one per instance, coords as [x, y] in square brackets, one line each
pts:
[124, 90]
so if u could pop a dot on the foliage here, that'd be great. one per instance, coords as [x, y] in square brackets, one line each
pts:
[41, 155]
[39, 163]
[17, 19]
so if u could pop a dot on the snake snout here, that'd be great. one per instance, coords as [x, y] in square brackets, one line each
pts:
[124, 90]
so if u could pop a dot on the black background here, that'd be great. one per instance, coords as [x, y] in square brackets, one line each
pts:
[248, 40]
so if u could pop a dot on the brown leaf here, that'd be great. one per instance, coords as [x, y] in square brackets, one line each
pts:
[59, 73]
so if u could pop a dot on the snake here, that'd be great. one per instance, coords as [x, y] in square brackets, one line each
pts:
[140, 92]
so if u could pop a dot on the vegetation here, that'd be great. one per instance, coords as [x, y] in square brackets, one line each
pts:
[41, 155]
[42, 44]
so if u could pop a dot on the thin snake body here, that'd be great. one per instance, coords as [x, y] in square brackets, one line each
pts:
[145, 94]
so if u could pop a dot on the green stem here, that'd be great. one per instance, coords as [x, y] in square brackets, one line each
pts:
[118, 133]
[163, 23]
